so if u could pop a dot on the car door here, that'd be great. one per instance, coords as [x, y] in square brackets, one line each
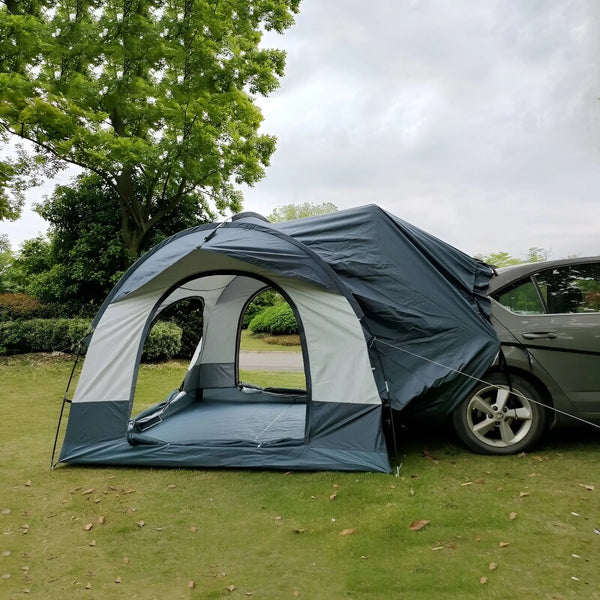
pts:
[555, 314]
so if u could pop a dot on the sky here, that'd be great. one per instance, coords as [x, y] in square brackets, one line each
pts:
[478, 122]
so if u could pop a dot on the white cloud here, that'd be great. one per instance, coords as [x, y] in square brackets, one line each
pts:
[477, 121]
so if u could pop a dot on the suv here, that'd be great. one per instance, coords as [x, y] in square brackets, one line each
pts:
[547, 317]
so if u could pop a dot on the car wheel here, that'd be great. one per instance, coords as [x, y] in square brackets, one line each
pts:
[498, 419]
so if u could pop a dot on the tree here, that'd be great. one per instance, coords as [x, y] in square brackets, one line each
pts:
[289, 212]
[156, 97]
[504, 259]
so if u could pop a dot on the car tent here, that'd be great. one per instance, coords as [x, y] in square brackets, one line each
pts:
[389, 316]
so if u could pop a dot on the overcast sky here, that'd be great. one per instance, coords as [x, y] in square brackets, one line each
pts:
[476, 121]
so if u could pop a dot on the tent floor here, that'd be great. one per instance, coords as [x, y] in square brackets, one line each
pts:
[256, 422]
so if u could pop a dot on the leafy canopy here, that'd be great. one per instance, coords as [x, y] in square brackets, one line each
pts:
[154, 96]
[289, 212]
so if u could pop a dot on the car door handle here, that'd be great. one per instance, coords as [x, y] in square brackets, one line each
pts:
[539, 335]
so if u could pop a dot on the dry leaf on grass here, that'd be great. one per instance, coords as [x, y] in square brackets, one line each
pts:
[350, 531]
[333, 496]
[88, 527]
[503, 544]
[493, 566]
[523, 494]
[191, 584]
[141, 523]
[88, 491]
[589, 488]
[483, 580]
[118, 580]
[6, 511]
[512, 516]
[417, 525]
[230, 588]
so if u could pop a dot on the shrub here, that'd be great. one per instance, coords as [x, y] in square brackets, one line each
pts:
[261, 301]
[42, 335]
[64, 335]
[20, 306]
[163, 343]
[278, 319]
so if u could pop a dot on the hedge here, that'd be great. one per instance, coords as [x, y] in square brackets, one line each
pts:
[63, 335]
[278, 320]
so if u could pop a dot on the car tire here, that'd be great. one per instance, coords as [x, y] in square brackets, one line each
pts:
[504, 415]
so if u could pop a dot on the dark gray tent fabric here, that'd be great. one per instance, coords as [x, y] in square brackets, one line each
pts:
[413, 306]
[424, 302]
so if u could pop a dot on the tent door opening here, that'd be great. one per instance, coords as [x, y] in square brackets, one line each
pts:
[212, 406]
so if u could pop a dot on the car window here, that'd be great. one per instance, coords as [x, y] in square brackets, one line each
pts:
[571, 289]
[523, 299]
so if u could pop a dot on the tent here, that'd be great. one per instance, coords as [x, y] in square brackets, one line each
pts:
[389, 317]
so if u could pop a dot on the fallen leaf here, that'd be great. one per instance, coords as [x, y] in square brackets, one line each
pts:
[191, 584]
[512, 516]
[88, 492]
[493, 566]
[88, 527]
[299, 530]
[93, 543]
[483, 580]
[523, 494]
[6, 511]
[88, 586]
[6, 576]
[350, 531]
[336, 485]
[503, 544]
[141, 523]
[589, 488]
[126, 560]
[101, 520]
[118, 580]
[249, 594]
[313, 497]
[438, 548]
[230, 587]
[333, 496]
[193, 529]
[417, 525]
[171, 486]
[467, 483]
[6, 553]
[28, 483]
[296, 593]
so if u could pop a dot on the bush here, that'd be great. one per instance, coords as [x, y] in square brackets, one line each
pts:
[261, 301]
[64, 335]
[20, 306]
[42, 335]
[278, 319]
[163, 343]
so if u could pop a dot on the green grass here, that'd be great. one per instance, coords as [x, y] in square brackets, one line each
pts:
[279, 535]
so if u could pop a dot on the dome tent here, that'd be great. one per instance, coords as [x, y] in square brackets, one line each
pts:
[388, 315]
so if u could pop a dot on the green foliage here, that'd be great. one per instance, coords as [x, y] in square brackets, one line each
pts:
[188, 316]
[277, 319]
[258, 304]
[163, 342]
[289, 212]
[64, 335]
[19, 306]
[157, 97]
[504, 259]
[42, 335]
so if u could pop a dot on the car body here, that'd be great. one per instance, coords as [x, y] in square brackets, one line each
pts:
[547, 318]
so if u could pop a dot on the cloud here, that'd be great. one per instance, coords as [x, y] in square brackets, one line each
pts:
[478, 121]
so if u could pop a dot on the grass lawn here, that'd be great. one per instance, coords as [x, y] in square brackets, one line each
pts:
[513, 527]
